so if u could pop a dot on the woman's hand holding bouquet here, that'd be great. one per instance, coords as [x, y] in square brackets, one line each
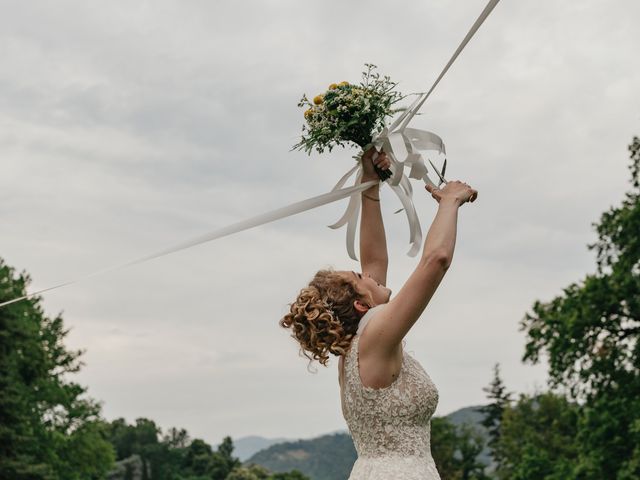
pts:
[372, 162]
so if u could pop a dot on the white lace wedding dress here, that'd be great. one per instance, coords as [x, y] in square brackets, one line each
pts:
[390, 426]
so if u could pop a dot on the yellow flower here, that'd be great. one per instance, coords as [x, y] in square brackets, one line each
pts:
[333, 86]
[308, 113]
[318, 99]
[343, 84]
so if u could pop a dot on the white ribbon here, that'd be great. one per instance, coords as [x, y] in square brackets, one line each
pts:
[273, 215]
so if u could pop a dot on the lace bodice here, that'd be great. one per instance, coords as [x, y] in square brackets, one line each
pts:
[390, 426]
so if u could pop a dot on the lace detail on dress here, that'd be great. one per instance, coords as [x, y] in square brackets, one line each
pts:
[390, 426]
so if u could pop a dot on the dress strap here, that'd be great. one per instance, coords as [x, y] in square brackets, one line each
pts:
[368, 316]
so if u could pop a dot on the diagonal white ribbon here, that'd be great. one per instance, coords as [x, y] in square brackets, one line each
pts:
[273, 215]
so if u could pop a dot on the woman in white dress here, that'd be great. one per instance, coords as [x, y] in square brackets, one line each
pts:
[387, 397]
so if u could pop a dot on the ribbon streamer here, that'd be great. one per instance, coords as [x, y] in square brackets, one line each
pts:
[273, 215]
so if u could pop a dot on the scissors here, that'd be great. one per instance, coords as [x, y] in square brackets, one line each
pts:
[440, 175]
[442, 180]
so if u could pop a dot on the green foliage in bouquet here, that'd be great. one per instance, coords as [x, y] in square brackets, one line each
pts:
[348, 113]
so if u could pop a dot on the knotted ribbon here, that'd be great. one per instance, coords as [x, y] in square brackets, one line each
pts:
[403, 146]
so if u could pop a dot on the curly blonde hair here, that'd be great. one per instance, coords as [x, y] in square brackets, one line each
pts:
[323, 318]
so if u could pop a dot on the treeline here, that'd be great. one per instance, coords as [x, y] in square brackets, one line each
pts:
[174, 456]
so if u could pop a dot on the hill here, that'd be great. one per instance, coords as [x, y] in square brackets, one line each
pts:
[245, 447]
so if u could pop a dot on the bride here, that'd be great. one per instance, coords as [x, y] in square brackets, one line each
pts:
[387, 397]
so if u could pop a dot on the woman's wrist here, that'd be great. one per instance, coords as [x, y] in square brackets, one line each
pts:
[370, 178]
[375, 199]
[451, 201]
[373, 192]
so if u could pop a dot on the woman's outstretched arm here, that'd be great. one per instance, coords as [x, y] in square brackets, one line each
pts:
[392, 324]
[374, 258]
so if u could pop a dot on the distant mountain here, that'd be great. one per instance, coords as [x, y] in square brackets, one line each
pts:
[471, 415]
[244, 447]
[331, 457]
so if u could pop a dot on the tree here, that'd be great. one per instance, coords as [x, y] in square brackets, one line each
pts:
[455, 450]
[201, 460]
[242, 473]
[470, 445]
[500, 400]
[159, 459]
[49, 429]
[198, 459]
[176, 438]
[590, 334]
[537, 439]
[292, 475]
[254, 472]
[223, 460]
[444, 443]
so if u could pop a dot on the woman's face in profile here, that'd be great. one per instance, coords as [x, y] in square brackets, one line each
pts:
[369, 287]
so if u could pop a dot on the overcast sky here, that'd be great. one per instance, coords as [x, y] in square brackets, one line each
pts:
[126, 127]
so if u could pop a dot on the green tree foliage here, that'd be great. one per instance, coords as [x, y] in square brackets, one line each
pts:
[201, 461]
[256, 472]
[500, 400]
[242, 473]
[49, 429]
[455, 450]
[537, 440]
[223, 460]
[292, 475]
[444, 443]
[199, 458]
[133, 439]
[161, 459]
[173, 456]
[590, 335]
[470, 445]
[176, 438]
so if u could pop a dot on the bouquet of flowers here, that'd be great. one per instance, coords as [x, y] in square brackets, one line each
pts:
[349, 113]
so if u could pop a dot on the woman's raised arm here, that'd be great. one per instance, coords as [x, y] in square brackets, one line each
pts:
[389, 327]
[374, 258]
